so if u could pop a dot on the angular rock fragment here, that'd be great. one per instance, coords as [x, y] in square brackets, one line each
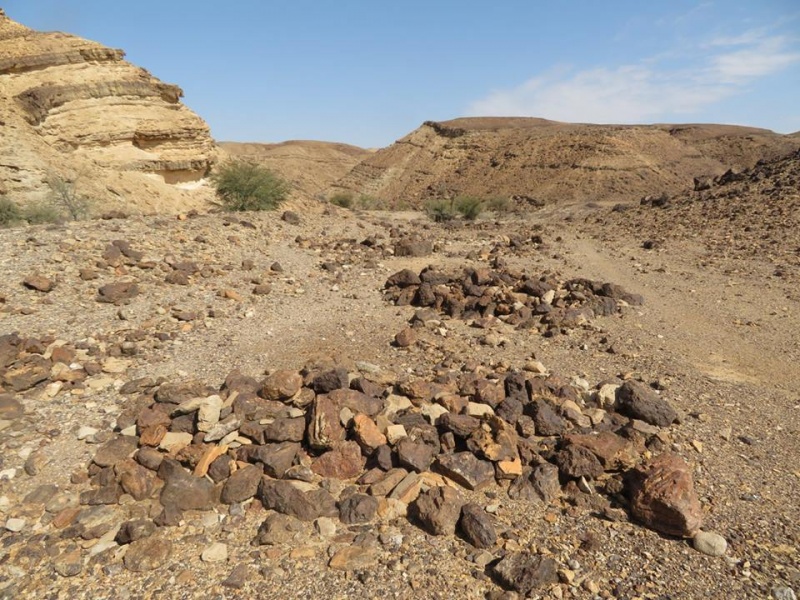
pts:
[525, 572]
[663, 497]
[466, 469]
[438, 510]
[638, 401]
[476, 526]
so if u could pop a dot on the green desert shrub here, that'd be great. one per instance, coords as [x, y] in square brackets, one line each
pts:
[65, 198]
[343, 199]
[498, 204]
[440, 211]
[245, 185]
[42, 212]
[469, 207]
[10, 213]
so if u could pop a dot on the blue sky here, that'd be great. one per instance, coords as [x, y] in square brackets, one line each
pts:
[367, 72]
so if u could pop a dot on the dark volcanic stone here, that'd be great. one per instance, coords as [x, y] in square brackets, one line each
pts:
[466, 469]
[115, 451]
[414, 455]
[525, 572]
[285, 498]
[577, 461]
[638, 401]
[116, 293]
[476, 526]
[130, 531]
[546, 420]
[184, 491]
[536, 484]
[330, 380]
[242, 485]
[358, 508]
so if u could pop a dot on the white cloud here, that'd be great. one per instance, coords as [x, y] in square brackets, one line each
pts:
[644, 92]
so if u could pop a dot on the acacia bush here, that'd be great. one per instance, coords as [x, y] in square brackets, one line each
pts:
[469, 207]
[246, 185]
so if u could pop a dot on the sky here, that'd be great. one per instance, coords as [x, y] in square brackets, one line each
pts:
[367, 72]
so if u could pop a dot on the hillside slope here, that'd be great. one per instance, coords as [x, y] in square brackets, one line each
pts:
[310, 166]
[547, 161]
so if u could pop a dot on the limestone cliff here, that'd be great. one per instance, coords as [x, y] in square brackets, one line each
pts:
[75, 109]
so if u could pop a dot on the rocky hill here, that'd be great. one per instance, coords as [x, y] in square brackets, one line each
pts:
[310, 166]
[539, 161]
[74, 109]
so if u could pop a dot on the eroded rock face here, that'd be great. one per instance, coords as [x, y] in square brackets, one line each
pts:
[76, 109]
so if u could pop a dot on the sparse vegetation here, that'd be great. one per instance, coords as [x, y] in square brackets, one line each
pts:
[65, 198]
[440, 211]
[246, 185]
[42, 212]
[498, 204]
[10, 213]
[342, 199]
[469, 207]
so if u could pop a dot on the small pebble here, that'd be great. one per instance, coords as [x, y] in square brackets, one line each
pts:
[710, 543]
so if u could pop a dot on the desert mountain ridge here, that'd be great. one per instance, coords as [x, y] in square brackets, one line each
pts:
[545, 161]
[75, 109]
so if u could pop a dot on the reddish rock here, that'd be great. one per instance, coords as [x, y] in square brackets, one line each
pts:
[438, 510]
[281, 385]
[663, 497]
[242, 485]
[343, 462]
[476, 526]
[324, 428]
[466, 469]
[613, 451]
[405, 338]
[39, 283]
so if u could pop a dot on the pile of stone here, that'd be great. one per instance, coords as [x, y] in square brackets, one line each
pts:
[543, 303]
[412, 448]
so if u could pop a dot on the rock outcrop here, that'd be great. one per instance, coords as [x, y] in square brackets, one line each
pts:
[539, 162]
[74, 109]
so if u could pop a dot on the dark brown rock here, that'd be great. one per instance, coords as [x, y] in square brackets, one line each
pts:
[413, 247]
[184, 491]
[220, 468]
[525, 572]
[328, 381]
[358, 508]
[415, 455]
[404, 278]
[276, 458]
[284, 430]
[117, 293]
[131, 531]
[356, 401]
[116, 450]
[663, 497]
[39, 283]
[536, 484]
[466, 469]
[613, 451]
[28, 374]
[242, 485]
[638, 401]
[405, 338]
[147, 554]
[546, 420]
[577, 461]
[134, 479]
[279, 528]
[438, 510]
[285, 498]
[461, 425]
[476, 526]
[324, 428]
